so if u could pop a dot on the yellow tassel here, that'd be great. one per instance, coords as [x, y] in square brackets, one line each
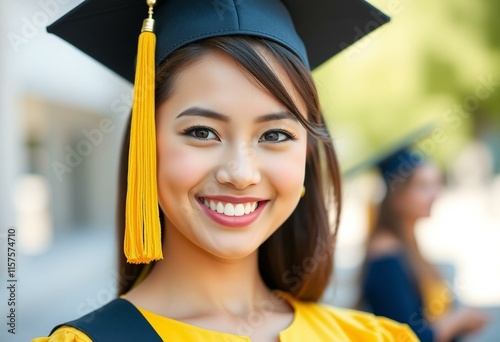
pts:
[142, 220]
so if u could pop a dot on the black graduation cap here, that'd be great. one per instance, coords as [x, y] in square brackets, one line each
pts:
[402, 158]
[398, 159]
[107, 30]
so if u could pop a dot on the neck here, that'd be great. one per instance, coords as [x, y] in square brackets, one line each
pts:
[194, 279]
[408, 224]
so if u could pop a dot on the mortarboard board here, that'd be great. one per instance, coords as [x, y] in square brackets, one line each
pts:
[402, 161]
[107, 30]
[398, 160]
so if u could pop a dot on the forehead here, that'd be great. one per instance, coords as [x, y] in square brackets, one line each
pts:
[217, 77]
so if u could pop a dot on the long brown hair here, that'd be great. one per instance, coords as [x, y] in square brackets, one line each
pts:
[306, 239]
[389, 220]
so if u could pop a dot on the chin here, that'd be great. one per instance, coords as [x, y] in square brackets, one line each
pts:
[424, 214]
[230, 243]
[232, 251]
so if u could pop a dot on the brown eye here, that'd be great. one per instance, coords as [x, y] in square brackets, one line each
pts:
[276, 136]
[201, 133]
[271, 136]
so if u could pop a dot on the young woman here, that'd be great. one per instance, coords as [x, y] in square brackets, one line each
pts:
[397, 281]
[249, 196]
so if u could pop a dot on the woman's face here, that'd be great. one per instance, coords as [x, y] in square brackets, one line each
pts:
[231, 159]
[419, 195]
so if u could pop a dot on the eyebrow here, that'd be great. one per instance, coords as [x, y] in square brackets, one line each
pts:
[207, 113]
[284, 115]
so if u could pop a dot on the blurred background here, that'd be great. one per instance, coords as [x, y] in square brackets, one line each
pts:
[62, 115]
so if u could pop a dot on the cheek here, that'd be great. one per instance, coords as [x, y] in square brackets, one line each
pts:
[286, 172]
[179, 170]
[423, 196]
[407, 202]
[419, 202]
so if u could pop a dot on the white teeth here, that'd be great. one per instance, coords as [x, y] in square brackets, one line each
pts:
[230, 209]
[239, 210]
[248, 208]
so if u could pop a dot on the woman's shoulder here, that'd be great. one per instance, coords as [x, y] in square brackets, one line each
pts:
[384, 245]
[353, 325]
[65, 334]
[118, 318]
[387, 259]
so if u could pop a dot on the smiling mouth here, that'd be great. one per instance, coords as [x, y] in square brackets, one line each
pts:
[229, 209]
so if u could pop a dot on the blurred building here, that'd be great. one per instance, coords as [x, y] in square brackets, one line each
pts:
[62, 119]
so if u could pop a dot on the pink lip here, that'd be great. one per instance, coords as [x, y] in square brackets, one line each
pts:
[232, 199]
[234, 221]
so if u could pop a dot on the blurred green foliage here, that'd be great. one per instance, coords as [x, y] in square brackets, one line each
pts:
[436, 61]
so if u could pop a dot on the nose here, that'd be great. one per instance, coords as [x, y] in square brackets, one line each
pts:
[240, 169]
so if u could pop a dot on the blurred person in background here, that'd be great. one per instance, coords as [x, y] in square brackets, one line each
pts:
[397, 281]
